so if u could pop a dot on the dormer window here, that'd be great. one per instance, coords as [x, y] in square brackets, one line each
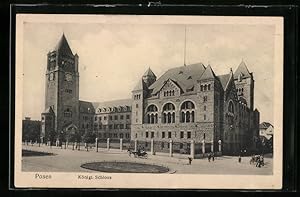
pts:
[190, 77]
[180, 72]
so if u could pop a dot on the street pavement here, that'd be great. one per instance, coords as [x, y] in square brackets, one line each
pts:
[68, 160]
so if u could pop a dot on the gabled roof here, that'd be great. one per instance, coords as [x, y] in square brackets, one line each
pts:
[185, 77]
[242, 70]
[49, 110]
[265, 125]
[150, 73]
[224, 80]
[63, 46]
[208, 73]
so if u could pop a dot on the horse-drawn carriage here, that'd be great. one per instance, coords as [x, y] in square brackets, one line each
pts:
[258, 160]
[138, 154]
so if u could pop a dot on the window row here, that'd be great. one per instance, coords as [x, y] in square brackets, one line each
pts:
[114, 135]
[116, 117]
[68, 91]
[137, 97]
[205, 87]
[114, 109]
[167, 134]
[169, 93]
[105, 127]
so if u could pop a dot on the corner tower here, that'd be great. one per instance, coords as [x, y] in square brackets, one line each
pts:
[244, 84]
[62, 86]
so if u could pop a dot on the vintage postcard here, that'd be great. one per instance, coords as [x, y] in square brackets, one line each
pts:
[137, 101]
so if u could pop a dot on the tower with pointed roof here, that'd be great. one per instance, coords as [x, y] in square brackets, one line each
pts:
[245, 84]
[62, 86]
[139, 93]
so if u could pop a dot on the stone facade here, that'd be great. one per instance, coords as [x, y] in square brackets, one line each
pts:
[192, 103]
[65, 113]
[186, 103]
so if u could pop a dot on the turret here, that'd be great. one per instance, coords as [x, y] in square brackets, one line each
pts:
[244, 84]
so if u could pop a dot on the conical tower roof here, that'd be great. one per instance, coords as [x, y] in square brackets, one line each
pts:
[63, 46]
[208, 73]
[242, 70]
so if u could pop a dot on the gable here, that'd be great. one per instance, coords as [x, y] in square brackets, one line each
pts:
[170, 88]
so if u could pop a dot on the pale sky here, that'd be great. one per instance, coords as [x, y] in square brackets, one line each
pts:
[113, 57]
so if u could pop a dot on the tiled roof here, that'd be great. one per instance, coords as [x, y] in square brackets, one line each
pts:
[86, 107]
[185, 76]
[91, 107]
[63, 46]
[265, 125]
[224, 80]
[242, 69]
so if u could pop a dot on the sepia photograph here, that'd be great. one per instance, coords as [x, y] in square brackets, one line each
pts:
[137, 101]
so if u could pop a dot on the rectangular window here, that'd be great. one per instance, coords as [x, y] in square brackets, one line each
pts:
[181, 134]
[116, 117]
[110, 126]
[189, 135]
[100, 126]
[121, 126]
[115, 126]
[104, 135]
[104, 118]
[162, 145]
[137, 105]
[204, 116]
[127, 117]
[169, 134]
[100, 118]
[95, 118]
[110, 117]
[204, 108]
[146, 134]
[121, 117]
[204, 98]
[127, 126]
[181, 145]
[152, 134]
[163, 135]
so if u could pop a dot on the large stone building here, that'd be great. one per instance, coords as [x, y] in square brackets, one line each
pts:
[65, 113]
[193, 103]
[186, 103]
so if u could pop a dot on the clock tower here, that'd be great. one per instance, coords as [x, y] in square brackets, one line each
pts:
[61, 92]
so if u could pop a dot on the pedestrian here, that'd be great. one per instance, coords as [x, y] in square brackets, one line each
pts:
[209, 157]
[213, 156]
[240, 159]
[190, 160]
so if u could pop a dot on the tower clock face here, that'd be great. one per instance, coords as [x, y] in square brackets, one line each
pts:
[68, 77]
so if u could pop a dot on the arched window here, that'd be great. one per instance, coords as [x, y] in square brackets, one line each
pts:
[230, 107]
[187, 112]
[151, 114]
[168, 113]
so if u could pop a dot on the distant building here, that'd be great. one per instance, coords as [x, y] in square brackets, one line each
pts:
[31, 129]
[193, 103]
[266, 130]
